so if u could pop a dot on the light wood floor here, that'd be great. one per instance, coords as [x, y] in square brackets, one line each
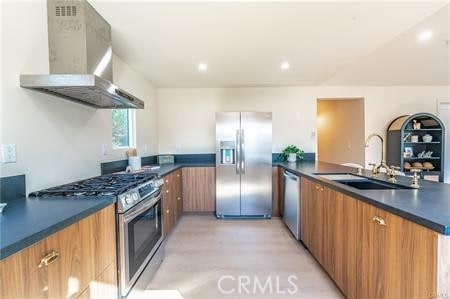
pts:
[202, 249]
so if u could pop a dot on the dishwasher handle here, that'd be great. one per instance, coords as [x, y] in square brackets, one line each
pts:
[290, 176]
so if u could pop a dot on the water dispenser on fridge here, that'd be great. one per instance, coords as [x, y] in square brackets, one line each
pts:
[227, 152]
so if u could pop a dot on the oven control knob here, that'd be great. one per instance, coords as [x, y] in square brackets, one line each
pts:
[128, 199]
[135, 197]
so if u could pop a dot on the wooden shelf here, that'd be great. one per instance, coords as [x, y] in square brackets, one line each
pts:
[422, 142]
[411, 130]
[417, 158]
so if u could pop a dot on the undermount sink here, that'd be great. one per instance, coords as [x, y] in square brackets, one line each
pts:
[366, 184]
[359, 182]
[340, 176]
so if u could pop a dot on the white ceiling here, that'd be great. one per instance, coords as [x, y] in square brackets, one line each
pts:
[244, 43]
[404, 60]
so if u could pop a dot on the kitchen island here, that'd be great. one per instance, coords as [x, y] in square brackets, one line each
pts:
[428, 206]
[376, 243]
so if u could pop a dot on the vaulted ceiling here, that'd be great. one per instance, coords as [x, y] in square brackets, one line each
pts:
[244, 43]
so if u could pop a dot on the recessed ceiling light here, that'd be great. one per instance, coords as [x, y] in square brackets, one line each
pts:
[285, 66]
[202, 67]
[425, 35]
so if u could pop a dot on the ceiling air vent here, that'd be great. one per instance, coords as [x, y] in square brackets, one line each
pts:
[66, 11]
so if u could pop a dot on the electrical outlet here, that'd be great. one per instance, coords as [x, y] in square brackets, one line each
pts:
[145, 148]
[313, 135]
[9, 153]
[104, 149]
[177, 147]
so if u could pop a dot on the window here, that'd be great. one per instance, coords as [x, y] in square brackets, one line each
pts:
[123, 128]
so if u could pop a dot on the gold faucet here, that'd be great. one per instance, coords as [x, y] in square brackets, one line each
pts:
[376, 168]
[415, 179]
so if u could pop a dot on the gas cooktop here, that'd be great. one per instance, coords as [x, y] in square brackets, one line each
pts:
[112, 184]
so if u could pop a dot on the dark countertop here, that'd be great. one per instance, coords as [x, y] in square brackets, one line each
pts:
[168, 168]
[428, 206]
[26, 221]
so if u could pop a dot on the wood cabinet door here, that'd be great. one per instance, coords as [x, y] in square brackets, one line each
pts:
[98, 236]
[172, 200]
[398, 257]
[276, 199]
[333, 228]
[104, 286]
[179, 194]
[281, 190]
[84, 249]
[340, 240]
[65, 278]
[199, 189]
[305, 211]
[347, 238]
[167, 204]
[20, 276]
[317, 222]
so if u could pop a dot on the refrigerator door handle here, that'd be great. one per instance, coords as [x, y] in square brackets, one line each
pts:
[242, 152]
[238, 151]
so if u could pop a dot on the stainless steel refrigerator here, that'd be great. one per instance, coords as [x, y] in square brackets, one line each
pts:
[244, 164]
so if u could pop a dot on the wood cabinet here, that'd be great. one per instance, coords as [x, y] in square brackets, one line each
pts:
[312, 217]
[64, 264]
[172, 200]
[368, 252]
[347, 248]
[199, 189]
[277, 186]
[398, 257]
[340, 240]
[104, 286]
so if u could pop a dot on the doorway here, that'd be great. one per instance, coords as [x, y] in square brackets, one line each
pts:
[444, 114]
[340, 131]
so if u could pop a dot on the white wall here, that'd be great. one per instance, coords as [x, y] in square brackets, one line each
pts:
[57, 141]
[186, 116]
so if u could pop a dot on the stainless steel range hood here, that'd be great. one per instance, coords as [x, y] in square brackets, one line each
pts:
[80, 58]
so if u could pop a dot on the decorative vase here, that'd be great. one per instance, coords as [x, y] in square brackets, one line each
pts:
[292, 157]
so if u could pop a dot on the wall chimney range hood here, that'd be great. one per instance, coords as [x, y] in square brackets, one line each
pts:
[80, 58]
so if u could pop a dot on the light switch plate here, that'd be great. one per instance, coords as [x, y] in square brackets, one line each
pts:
[104, 149]
[9, 153]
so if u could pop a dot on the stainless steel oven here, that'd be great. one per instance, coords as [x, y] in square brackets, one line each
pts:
[140, 236]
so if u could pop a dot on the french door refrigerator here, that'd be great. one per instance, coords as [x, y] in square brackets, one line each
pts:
[244, 164]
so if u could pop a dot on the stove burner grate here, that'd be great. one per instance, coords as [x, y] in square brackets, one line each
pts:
[113, 184]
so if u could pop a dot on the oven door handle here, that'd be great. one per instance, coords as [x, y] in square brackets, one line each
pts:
[156, 215]
[130, 215]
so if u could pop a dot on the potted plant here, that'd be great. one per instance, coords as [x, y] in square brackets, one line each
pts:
[291, 153]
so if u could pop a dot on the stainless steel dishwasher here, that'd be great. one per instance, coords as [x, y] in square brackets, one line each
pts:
[291, 213]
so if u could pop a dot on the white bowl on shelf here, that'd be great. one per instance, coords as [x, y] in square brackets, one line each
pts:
[427, 138]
